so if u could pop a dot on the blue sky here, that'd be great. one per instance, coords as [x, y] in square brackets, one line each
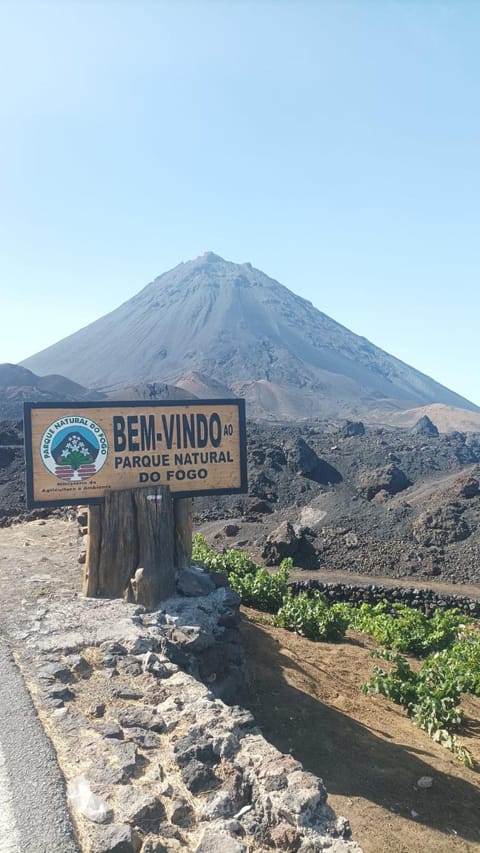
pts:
[334, 145]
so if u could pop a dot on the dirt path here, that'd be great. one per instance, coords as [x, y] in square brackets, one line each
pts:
[306, 697]
[37, 558]
[420, 493]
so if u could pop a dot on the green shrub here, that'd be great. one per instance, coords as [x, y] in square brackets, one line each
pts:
[262, 590]
[310, 616]
[462, 661]
[227, 561]
[256, 586]
[406, 629]
[432, 695]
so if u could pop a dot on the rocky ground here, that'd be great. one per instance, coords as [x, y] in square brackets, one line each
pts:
[376, 501]
[12, 470]
[383, 501]
[120, 695]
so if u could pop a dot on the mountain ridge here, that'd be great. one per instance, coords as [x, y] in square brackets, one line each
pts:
[18, 385]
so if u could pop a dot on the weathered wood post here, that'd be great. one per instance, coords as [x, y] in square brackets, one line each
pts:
[183, 518]
[131, 547]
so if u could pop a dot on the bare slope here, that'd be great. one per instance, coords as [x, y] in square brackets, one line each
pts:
[445, 418]
[18, 384]
[234, 324]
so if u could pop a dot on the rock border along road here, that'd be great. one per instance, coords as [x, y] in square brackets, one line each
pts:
[33, 811]
[173, 765]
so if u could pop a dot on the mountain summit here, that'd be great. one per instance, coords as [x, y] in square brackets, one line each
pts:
[217, 326]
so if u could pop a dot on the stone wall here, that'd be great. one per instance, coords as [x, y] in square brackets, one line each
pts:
[424, 599]
[154, 759]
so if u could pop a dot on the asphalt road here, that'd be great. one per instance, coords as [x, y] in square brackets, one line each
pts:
[33, 811]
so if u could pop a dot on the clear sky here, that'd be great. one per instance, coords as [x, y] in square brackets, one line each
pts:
[334, 145]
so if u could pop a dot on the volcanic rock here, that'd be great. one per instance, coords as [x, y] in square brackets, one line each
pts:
[424, 426]
[441, 526]
[303, 460]
[282, 542]
[351, 428]
[389, 479]
[468, 487]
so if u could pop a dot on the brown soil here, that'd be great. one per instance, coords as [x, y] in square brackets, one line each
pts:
[306, 697]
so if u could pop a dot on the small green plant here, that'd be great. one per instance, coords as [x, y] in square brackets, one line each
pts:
[39, 592]
[406, 629]
[311, 617]
[432, 695]
[462, 661]
[263, 590]
[256, 586]
[227, 561]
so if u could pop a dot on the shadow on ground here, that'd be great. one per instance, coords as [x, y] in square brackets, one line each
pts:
[351, 759]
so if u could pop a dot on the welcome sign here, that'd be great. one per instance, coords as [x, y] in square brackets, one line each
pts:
[76, 452]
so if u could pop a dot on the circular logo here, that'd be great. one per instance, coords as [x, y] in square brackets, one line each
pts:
[74, 448]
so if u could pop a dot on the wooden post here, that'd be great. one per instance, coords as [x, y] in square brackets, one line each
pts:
[130, 547]
[183, 518]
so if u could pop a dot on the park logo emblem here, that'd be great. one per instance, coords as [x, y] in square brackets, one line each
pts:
[74, 449]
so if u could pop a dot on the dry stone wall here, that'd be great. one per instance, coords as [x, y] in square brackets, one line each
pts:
[421, 598]
[154, 759]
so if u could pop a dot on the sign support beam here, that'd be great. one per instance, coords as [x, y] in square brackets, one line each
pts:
[183, 519]
[131, 547]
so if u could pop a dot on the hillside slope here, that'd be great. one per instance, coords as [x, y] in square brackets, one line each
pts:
[17, 384]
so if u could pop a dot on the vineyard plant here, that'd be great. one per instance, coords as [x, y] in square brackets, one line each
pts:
[447, 644]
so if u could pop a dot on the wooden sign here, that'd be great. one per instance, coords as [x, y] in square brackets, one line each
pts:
[77, 452]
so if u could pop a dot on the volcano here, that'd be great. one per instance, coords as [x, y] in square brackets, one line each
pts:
[229, 329]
